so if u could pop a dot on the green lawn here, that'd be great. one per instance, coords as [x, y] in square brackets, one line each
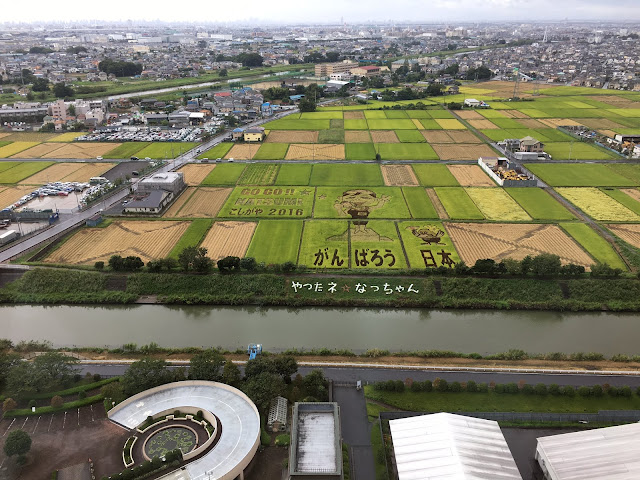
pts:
[259, 174]
[458, 204]
[294, 174]
[319, 235]
[380, 202]
[623, 198]
[406, 151]
[219, 151]
[346, 174]
[193, 236]
[126, 150]
[276, 241]
[427, 244]
[410, 136]
[391, 124]
[281, 203]
[270, 151]
[436, 175]
[539, 204]
[419, 203]
[579, 151]
[287, 123]
[594, 244]
[360, 151]
[160, 150]
[22, 170]
[225, 174]
[430, 124]
[332, 135]
[500, 402]
[356, 124]
[580, 175]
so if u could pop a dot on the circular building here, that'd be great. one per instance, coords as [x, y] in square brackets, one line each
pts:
[236, 415]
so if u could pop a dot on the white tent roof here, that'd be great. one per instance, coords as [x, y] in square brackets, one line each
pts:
[612, 453]
[451, 447]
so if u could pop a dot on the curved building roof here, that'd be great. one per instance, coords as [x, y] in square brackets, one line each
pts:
[237, 414]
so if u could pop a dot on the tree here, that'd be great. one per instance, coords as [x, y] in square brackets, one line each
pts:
[229, 263]
[249, 264]
[60, 90]
[120, 68]
[480, 73]
[263, 388]
[9, 404]
[18, 443]
[195, 258]
[546, 264]
[307, 105]
[315, 385]
[57, 401]
[285, 366]
[259, 365]
[232, 121]
[207, 365]
[144, 374]
[249, 59]
[231, 374]
[223, 72]
[40, 85]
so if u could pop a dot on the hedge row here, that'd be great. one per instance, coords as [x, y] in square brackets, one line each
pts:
[27, 412]
[71, 391]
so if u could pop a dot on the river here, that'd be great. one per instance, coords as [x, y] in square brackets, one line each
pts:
[277, 329]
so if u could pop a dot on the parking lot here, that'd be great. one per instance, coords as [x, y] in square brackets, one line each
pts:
[64, 439]
[144, 134]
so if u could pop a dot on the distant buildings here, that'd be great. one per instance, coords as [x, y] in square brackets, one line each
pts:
[366, 71]
[328, 69]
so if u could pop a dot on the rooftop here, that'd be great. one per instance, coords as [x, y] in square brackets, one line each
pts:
[612, 453]
[316, 438]
[448, 446]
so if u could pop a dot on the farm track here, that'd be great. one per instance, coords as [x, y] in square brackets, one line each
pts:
[437, 204]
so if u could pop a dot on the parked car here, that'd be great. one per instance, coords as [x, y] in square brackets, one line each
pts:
[135, 173]
[98, 157]
[134, 158]
[230, 160]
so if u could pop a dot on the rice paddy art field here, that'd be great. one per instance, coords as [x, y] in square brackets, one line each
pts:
[598, 205]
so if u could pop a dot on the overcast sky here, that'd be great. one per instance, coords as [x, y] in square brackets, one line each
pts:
[325, 11]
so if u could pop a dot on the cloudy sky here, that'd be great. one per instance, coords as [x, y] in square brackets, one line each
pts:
[325, 11]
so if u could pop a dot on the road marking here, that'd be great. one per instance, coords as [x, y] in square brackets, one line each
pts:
[9, 427]
[78, 416]
[24, 423]
[92, 417]
[37, 422]
[50, 422]
[64, 420]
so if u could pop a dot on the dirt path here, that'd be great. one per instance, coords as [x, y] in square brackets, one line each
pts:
[437, 204]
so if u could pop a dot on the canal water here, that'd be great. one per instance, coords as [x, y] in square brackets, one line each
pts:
[278, 329]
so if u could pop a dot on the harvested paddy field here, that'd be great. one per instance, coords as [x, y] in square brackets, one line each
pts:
[242, 152]
[384, 136]
[68, 172]
[357, 136]
[399, 176]
[10, 195]
[559, 122]
[148, 240]
[228, 239]
[469, 115]
[483, 125]
[315, 152]
[598, 205]
[353, 115]
[628, 233]
[475, 241]
[39, 150]
[450, 124]
[437, 204]
[436, 136]
[32, 137]
[179, 202]
[205, 202]
[195, 173]
[463, 151]
[599, 123]
[470, 176]
[81, 150]
[632, 192]
[463, 136]
[292, 136]
[531, 123]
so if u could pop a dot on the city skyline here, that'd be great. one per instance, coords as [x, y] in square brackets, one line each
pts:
[330, 11]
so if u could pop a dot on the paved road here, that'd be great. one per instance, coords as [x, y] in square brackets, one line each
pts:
[370, 375]
[355, 430]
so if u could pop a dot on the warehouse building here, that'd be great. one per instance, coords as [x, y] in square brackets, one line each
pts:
[169, 181]
[448, 446]
[612, 453]
[316, 444]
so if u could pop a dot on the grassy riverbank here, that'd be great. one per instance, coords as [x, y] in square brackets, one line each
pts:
[68, 286]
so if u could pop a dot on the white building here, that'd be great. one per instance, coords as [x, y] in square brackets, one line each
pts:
[169, 181]
[612, 453]
[452, 447]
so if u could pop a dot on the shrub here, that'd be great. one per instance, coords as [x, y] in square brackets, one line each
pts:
[97, 377]
[612, 391]
[398, 386]
[554, 389]
[584, 391]
[471, 386]
[455, 387]
[596, 391]
[541, 389]
[32, 403]
[82, 395]
[416, 387]
[56, 402]
[98, 265]
[625, 391]
[528, 389]
[482, 387]
[427, 386]
[440, 385]
[568, 391]
[511, 388]
[499, 388]
[9, 404]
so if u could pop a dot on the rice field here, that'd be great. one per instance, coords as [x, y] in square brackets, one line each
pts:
[496, 204]
[15, 147]
[539, 204]
[228, 239]
[598, 205]
[195, 173]
[276, 241]
[205, 202]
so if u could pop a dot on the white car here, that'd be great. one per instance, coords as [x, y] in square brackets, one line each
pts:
[98, 157]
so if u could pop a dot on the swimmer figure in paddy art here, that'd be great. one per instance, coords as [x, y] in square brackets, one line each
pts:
[358, 203]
